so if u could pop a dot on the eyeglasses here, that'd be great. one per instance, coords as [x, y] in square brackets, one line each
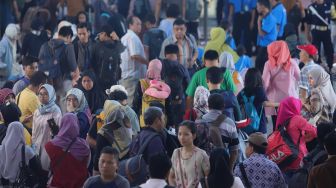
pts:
[71, 99]
[43, 94]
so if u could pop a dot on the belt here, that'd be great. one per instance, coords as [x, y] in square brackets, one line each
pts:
[320, 28]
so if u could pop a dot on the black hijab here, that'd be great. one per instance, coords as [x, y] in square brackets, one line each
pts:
[96, 96]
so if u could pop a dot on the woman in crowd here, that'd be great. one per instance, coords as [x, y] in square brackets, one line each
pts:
[281, 73]
[254, 88]
[94, 95]
[300, 131]
[72, 171]
[226, 61]
[46, 122]
[116, 131]
[217, 42]
[11, 156]
[189, 163]
[219, 168]
[321, 103]
[6, 95]
[200, 104]
[76, 103]
[159, 93]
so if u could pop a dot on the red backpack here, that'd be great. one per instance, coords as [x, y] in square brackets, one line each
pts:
[281, 149]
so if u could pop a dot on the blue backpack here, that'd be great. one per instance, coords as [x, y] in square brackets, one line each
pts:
[251, 113]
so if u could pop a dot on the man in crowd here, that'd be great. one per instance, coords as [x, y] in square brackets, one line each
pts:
[279, 13]
[106, 57]
[188, 51]
[257, 170]
[133, 60]
[83, 47]
[108, 166]
[30, 66]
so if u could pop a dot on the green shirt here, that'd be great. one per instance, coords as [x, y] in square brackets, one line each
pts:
[199, 79]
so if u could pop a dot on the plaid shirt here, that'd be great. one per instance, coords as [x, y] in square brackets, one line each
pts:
[304, 83]
[261, 172]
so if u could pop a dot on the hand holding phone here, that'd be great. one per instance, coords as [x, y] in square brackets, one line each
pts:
[53, 127]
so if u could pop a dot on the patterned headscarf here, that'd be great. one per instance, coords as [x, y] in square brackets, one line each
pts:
[201, 99]
[83, 105]
[51, 105]
[5, 92]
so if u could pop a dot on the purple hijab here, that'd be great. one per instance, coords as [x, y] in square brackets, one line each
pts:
[69, 131]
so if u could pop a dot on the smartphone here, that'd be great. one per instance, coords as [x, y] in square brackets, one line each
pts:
[53, 126]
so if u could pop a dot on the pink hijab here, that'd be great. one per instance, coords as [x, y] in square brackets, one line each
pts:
[279, 55]
[154, 70]
[69, 131]
[289, 107]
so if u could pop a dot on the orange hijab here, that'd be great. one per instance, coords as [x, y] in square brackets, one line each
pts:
[279, 55]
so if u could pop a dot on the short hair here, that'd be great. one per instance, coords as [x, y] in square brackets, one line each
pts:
[151, 114]
[130, 20]
[179, 21]
[29, 60]
[173, 11]
[82, 26]
[216, 101]
[211, 55]
[157, 104]
[171, 49]
[323, 129]
[38, 78]
[190, 125]
[110, 151]
[159, 166]
[117, 95]
[215, 75]
[241, 50]
[330, 143]
[258, 149]
[150, 18]
[265, 3]
[65, 31]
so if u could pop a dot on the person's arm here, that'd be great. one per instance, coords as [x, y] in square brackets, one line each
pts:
[157, 10]
[71, 63]
[270, 104]
[266, 76]
[260, 31]
[131, 8]
[236, 109]
[139, 59]
[189, 102]
[233, 159]
[171, 178]
[145, 43]
[253, 14]
[84, 124]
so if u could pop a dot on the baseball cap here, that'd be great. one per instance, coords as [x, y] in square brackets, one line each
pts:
[309, 48]
[258, 139]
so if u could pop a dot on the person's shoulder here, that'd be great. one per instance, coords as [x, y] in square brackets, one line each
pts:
[91, 181]
[121, 181]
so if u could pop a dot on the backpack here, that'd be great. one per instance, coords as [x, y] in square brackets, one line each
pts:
[110, 71]
[300, 176]
[52, 59]
[25, 178]
[135, 168]
[203, 139]
[156, 39]
[142, 8]
[147, 100]
[193, 10]
[250, 112]
[174, 79]
[281, 149]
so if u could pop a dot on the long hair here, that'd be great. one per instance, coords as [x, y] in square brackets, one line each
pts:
[252, 81]
[220, 172]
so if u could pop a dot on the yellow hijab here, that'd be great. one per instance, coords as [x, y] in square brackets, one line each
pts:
[217, 42]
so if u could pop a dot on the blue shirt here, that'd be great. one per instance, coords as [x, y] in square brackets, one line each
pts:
[268, 25]
[243, 5]
[279, 12]
[261, 172]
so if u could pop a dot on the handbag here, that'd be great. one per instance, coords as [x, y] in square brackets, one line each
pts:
[25, 177]
[135, 168]
[281, 149]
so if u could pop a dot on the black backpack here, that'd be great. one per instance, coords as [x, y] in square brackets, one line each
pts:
[142, 8]
[156, 39]
[174, 78]
[52, 59]
[109, 71]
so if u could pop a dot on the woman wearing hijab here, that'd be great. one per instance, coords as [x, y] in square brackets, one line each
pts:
[226, 61]
[321, 103]
[200, 104]
[219, 168]
[45, 118]
[11, 155]
[6, 95]
[71, 171]
[153, 87]
[116, 131]
[76, 103]
[281, 75]
[93, 93]
[300, 131]
[217, 43]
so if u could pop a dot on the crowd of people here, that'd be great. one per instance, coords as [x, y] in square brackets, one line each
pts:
[121, 94]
